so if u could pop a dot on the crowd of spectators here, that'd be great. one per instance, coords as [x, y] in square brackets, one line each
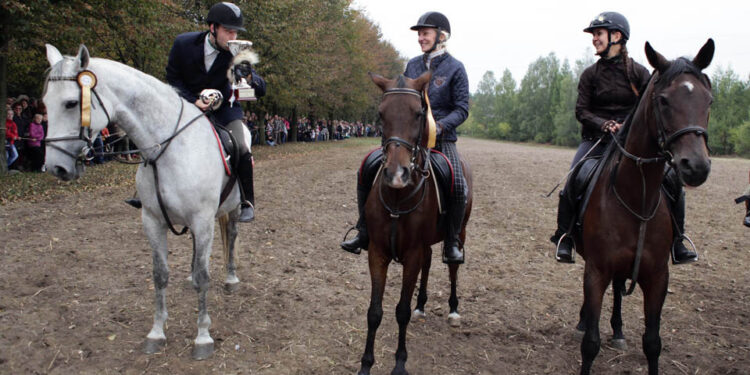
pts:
[26, 129]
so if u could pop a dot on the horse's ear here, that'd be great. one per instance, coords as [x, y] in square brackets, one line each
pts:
[83, 56]
[53, 55]
[705, 55]
[422, 81]
[379, 80]
[656, 59]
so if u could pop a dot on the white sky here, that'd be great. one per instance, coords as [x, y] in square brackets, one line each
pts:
[495, 35]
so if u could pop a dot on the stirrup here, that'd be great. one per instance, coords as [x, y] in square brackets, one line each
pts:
[680, 239]
[572, 250]
[356, 250]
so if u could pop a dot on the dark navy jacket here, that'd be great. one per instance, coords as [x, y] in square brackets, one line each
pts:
[448, 91]
[186, 71]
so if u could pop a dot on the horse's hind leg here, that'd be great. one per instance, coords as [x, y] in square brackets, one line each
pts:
[203, 234]
[403, 311]
[654, 293]
[378, 271]
[228, 225]
[454, 319]
[618, 339]
[594, 286]
[424, 276]
[156, 232]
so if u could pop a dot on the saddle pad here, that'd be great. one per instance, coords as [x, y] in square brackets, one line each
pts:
[581, 184]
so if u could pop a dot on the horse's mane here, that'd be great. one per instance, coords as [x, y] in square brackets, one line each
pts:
[658, 81]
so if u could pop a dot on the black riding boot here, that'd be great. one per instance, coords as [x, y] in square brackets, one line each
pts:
[247, 194]
[680, 253]
[452, 253]
[361, 240]
[747, 217]
[564, 248]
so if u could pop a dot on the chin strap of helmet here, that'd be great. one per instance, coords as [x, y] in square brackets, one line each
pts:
[215, 42]
[610, 43]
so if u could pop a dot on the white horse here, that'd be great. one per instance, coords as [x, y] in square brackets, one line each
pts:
[82, 96]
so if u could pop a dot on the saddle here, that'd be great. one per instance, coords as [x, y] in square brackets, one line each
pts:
[228, 148]
[579, 186]
[440, 168]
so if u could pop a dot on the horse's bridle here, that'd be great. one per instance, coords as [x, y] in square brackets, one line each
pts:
[86, 81]
[664, 140]
[415, 148]
[423, 170]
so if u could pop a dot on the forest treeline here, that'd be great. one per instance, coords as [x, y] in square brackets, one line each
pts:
[542, 107]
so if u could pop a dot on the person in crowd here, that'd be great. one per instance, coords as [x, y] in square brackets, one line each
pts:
[34, 143]
[607, 92]
[11, 135]
[745, 197]
[22, 125]
[449, 97]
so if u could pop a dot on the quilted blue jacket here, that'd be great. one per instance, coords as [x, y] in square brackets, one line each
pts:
[448, 91]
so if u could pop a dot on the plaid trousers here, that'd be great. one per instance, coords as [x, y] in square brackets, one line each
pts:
[459, 182]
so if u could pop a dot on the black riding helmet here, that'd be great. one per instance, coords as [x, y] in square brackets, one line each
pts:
[226, 14]
[611, 21]
[435, 20]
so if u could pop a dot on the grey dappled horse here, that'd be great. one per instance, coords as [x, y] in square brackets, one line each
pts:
[190, 175]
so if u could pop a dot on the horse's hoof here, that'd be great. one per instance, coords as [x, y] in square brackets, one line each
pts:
[231, 287]
[399, 371]
[619, 344]
[454, 320]
[203, 351]
[363, 372]
[151, 346]
[418, 315]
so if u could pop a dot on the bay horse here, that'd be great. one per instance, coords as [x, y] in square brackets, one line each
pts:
[627, 229]
[83, 95]
[402, 212]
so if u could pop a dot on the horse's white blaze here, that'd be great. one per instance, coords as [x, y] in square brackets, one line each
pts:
[689, 86]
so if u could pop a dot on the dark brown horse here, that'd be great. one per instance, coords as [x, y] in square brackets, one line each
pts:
[627, 229]
[402, 212]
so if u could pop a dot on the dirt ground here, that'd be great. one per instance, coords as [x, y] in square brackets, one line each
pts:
[76, 295]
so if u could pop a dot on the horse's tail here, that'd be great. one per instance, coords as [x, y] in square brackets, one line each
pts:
[223, 221]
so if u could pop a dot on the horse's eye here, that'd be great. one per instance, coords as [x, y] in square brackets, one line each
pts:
[662, 101]
[420, 114]
[71, 104]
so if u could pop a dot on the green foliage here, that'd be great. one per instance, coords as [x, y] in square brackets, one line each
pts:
[542, 109]
[315, 54]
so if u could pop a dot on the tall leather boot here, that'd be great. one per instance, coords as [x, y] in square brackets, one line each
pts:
[361, 240]
[680, 253]
[564, 247]
[747, 217]
[247, 193]
[452, 253]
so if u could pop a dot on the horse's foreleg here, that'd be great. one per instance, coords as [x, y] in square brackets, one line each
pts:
[424, 276]
[203, 234]
[454, 319]
[618, 339]
[654, 293]
[378, 272]
[594, 286]
[228, 225]
[156, 232]
[403, 310]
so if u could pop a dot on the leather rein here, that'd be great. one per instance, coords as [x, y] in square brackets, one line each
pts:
[423, 170]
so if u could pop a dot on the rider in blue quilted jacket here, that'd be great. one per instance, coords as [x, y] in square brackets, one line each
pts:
[449, 97]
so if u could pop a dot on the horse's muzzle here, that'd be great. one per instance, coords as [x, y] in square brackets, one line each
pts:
[65, 174]
[397, 179]
[693, 171]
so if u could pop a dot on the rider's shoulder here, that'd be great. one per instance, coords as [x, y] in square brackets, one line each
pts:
[190, 37]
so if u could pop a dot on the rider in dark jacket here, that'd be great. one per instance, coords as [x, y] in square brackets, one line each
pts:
[607, 92]
[449, 97]
[199, 61]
